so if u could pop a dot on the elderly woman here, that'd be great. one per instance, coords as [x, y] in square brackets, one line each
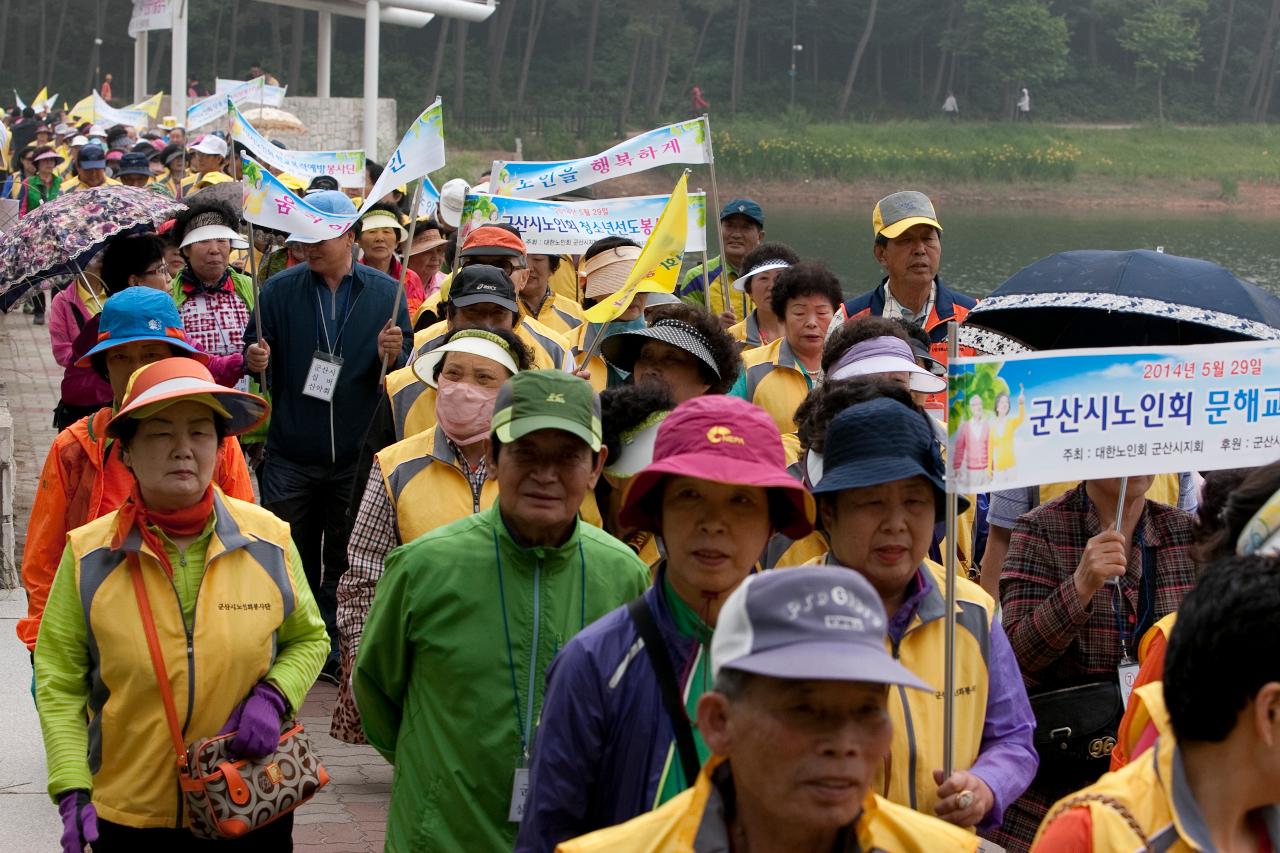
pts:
[610, 747]
[606, 264]
[880, 494]
[1077, 595]
[685, 350]
[84, 476]
[380, 234]
[426, 481]
[191, 552]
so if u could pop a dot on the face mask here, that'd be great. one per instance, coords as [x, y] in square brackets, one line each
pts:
[464, 411]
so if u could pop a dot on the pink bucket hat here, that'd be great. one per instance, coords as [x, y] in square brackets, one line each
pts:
[725, 440]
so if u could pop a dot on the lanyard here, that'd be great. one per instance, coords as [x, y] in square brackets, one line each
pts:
[1146, 602]
[525, 724]
[333, 348]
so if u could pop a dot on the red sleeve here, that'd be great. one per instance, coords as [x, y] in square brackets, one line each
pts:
[1069, 832]
[231, 473]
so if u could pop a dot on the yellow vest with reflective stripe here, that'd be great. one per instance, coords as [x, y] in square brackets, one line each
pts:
[425, 485]
[246, 594]
[775, 382]
[413, 403]
[550, 349]
[557, 314]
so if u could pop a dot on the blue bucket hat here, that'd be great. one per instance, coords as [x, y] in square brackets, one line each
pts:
[880, 441]
[328, 201]
[141, 314]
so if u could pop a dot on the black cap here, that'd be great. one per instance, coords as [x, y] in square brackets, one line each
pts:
[323, 182]
[134, 163]
[171, 152]
[482, 283]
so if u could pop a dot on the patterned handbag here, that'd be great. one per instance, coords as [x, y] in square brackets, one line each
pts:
[225, 796]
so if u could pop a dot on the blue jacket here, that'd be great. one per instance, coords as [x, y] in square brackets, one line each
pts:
[304, 429]
[950, 304]
[604, 735]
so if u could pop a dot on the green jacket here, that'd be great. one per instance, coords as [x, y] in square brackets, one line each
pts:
[436, 693]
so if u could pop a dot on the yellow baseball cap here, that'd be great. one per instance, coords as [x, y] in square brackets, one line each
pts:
[899, 211]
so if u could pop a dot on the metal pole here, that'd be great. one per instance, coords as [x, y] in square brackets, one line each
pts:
[404, 266]
[178, 68]
[949, 641]
[706, 270]
[324, 53]
[140, 66]
[369, 133]
[257, 298]
[792, 102]
[715, 196]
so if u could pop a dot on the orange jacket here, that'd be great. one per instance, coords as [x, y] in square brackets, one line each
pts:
[83, 480]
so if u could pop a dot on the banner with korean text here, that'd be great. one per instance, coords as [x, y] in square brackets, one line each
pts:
[214, 107]
[272, 96]
[420, 152]
[562, 227]
[685, 142]
[106, 115]
[1022, 420]
[270, 204]
[346, 166]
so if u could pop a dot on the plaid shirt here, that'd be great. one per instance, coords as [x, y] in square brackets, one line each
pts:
[1057, 640]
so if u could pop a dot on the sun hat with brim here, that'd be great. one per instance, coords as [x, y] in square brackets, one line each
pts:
[380, 219]
[653, 300]
[140, 314]
[636, 452]
[134, 163]
[159, 385]
[453, 196]
[211, 144]
[533, 400]
[605, 273]
[49, 155]
[817, 623]
[326, 201]
[79, 141]
[211, 225]
[426, 240]
[623, 349]
[474, 341]
[492, 240]
[740, 283]
[897, 212]
[885, 354]
[878, 442]
[722, 439]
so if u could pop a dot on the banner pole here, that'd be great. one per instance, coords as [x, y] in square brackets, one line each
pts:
[715, 196]
[257, 300]
[949, 642]
[404, 265]
[706, 271]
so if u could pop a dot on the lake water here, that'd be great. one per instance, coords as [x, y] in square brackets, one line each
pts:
[981, 249]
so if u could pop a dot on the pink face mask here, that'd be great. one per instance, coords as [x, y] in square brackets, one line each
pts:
[464, 411]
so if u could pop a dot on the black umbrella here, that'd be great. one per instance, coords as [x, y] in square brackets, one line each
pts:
[1095, 298]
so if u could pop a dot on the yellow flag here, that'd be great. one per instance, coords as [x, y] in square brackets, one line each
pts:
[150, 106]
[40, 98]
[83, 108]
[658, 266]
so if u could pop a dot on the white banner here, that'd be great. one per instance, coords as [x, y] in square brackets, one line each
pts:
[346, 166]
[270, 204]
[214, 107]
[151, 15]
[272, 96]
[419, 153]
[107, 115]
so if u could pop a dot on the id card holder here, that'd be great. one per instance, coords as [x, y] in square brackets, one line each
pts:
[1128, 674]
[519, 793]
[322, 377]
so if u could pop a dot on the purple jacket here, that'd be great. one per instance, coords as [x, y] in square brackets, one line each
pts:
[604, 734]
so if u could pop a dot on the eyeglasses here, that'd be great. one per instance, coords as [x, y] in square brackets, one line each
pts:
[161, 269]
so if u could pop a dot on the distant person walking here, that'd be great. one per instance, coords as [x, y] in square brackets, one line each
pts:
[699, 104]
[105, 89]
[1024, 105]
[950, 107]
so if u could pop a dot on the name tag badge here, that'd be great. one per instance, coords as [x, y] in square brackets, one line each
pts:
[519, 793]
[322, 378]
[1128, 672]
[243, 384]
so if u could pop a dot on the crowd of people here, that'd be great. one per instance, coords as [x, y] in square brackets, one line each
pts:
[670, 582]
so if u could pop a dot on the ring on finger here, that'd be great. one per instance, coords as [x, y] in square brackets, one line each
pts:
[964, 799]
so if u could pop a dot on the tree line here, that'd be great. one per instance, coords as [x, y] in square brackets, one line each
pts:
[1082, 60]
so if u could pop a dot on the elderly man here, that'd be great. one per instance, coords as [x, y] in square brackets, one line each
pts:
[908, 247]
[482, 606]
[741, 230]
[798, 726]
[328, 326]
[91, 170]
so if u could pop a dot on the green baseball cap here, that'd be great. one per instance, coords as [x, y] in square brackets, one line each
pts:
[547, 399]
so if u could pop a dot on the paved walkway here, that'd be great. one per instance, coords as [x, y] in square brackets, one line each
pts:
[348, 815]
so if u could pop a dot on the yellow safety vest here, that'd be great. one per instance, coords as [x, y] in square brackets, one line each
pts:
[425, 485]
[776, 382]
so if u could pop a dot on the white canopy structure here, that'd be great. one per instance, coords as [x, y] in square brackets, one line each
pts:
[374, 13]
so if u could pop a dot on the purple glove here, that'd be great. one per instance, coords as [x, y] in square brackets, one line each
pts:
[79, 820]
[256, 722]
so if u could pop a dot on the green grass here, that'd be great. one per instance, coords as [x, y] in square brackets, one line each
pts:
[998, 151]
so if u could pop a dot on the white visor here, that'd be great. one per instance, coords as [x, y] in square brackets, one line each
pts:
[214, 232]
[740, 283]
[637, 448]
[920, 379]
[425, 366]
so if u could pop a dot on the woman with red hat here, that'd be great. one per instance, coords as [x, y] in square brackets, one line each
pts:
[219, 587]
[615, 739]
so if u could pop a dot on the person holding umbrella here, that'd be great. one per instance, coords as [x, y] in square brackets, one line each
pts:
[881, 493]
[228, 604]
